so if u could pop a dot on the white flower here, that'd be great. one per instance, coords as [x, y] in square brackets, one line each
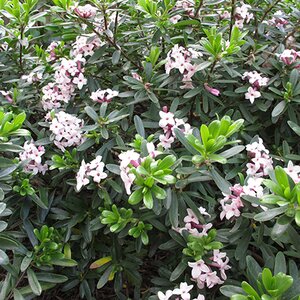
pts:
[104, 95]
[67, 130]
[183, 291]
[252, 94]
[293, 171]
[162, 296]
[33, 156]
[93, 169]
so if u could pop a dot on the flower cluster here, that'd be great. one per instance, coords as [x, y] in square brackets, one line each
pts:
[7, 96]
[67, 130]
[104, 95]
[258, 167]
[293, 171]
[168, 123]
[33, 77]
[85, 45]
[93, 169]
[278, 20]
[232, 203]
[257, 81]
[181, 59]
[127, 158]
[185, 5]
[192, 223]
[261, 162]
[33, 157]
[69, 73]
[289, 56]
[242, 15]
[86, 11]
[203, 273]
[51, 50]
[181, 293]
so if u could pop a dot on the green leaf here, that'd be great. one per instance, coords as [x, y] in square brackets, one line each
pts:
[18, 295]
[64, 262]
[34, 283]
[104, 278]
[91, 113]
[38, 201]
[230, 290]
[280, 263]
[250, 290]
[294, 127]
[221, 183]
[136, 197]
[8, 243]
[270, 214]
[181, 137]
[51, 277]
[148, 200]
[8, 147]
[139, 126]
[116, 57]
[278, 109]
[178, 271]
[167, 162]
[173, 211]
[4, 260]
[238, 297]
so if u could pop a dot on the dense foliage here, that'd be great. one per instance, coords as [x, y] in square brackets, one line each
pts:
[149, 149]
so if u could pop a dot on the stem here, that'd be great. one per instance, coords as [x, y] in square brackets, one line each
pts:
[21, 49]
[268, 10]
[112, 43]
[16, 285]
[231, 17]
[198, 8]
[212, 69]
[265, 15]
[296, 28]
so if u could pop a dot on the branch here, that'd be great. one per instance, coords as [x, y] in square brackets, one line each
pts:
[231, 17]
[198, 8]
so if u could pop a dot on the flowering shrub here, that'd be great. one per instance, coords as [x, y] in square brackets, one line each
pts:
[150, 149]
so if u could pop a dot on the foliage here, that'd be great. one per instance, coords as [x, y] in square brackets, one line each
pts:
[149, 149]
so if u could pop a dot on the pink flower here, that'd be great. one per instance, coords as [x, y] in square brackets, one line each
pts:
[136, 76]
[191, 217]
[33, 156]
[128, 180]
[289, 56]
[80, 81]
[127, 157]
[211, 90]
[252, 94]
[165, 141]
[86, 11]
[7, 96]
[198, 268]
[210, 279]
